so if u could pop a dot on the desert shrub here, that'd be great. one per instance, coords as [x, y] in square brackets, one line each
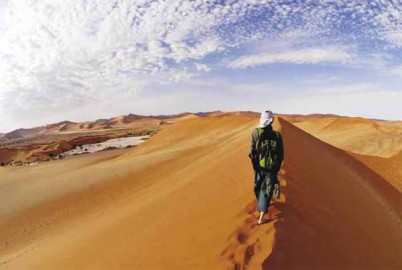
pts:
[18, 163]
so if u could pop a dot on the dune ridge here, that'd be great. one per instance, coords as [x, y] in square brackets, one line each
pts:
[343, 123]
[389, 168]
[357, 135]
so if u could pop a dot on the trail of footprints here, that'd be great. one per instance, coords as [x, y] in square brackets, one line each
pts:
[245, 242]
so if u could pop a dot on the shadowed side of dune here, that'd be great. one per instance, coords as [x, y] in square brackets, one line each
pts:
[337, 214]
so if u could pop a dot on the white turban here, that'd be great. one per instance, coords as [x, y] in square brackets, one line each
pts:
[267, 117]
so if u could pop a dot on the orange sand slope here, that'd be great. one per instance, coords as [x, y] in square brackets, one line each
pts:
[389, 168]
[376, 143]
[357, 135]
[184, 199]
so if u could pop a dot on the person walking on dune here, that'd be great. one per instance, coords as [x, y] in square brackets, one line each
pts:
[266, 154]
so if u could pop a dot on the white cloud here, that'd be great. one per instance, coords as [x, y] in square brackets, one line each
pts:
[396, 70]
[395, 38]
[300, 56]
[329, 90]
[58, 56]
[381, 104]
[202, 67]
[351, 99]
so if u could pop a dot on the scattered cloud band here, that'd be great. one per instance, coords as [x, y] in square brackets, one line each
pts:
[302, 56]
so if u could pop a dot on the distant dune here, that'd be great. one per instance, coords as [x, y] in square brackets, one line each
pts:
[121, 121]
[39, 151]
[20, 133]
[389, 168]
[36, 144]
[66, 126]
[342, 123]
[357, 135]
[183, 200]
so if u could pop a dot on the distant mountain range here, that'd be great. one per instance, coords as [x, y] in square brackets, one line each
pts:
[129, 121]
[122, 121]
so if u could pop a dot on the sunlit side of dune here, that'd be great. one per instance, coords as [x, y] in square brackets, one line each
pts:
[172, 202]
[357, 135]
[389, 168]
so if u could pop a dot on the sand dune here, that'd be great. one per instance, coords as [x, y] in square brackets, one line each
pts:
[28, 145]
[376, 143]
[389, 168]
[121, 121]
[184, 199]
[338, 213]
[39, 151]
[357, 135]
[152, 194]
[342, 123]
[7, 154]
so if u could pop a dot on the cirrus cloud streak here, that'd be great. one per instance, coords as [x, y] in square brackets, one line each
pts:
[300, 56]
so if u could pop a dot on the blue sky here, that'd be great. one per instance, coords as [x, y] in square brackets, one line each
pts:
[83, 60]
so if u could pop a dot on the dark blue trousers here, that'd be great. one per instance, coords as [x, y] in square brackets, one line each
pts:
[263, 188]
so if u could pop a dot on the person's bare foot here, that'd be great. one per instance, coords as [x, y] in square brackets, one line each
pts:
[262, 221]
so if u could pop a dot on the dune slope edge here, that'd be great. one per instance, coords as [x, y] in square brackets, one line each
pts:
[338, 213]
